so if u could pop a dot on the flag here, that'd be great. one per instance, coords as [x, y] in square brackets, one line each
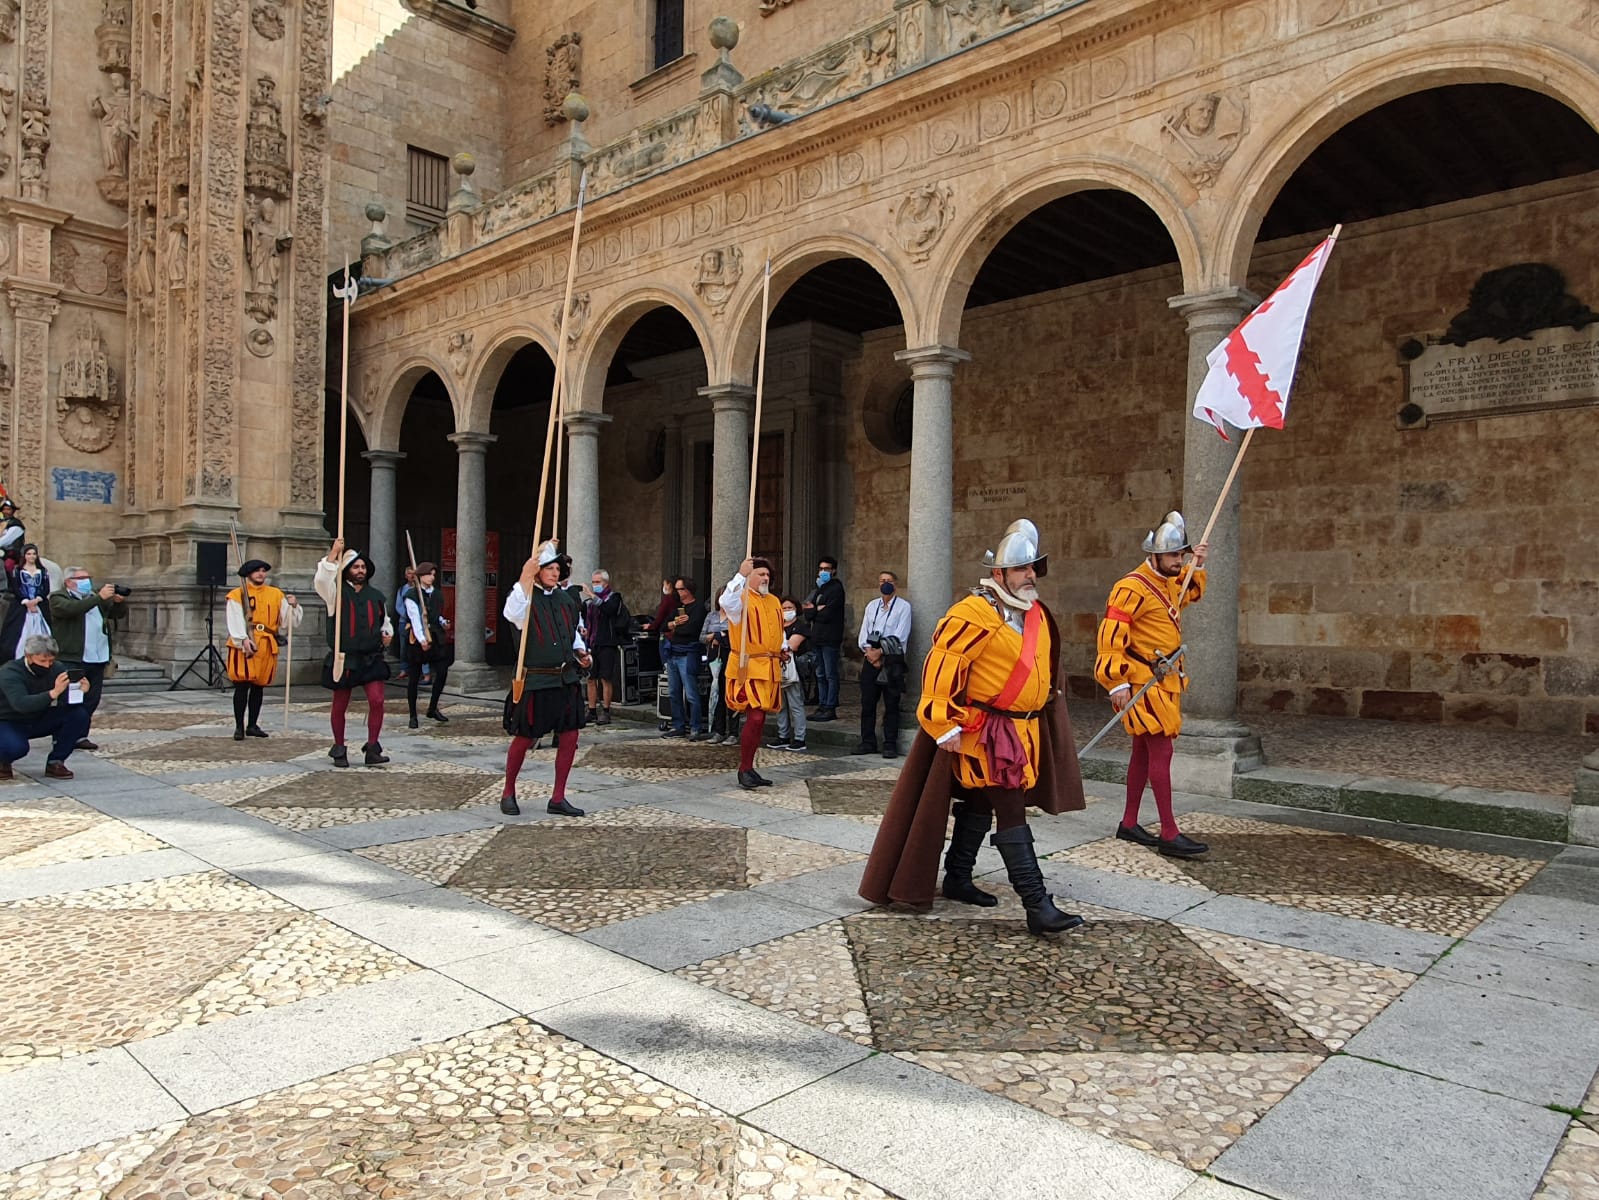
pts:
[1252, 369]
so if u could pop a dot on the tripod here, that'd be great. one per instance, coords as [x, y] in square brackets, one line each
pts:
[216, 671]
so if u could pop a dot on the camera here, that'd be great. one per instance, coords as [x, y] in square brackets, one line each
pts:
[121, 589]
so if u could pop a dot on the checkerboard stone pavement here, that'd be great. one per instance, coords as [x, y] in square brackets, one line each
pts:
[235, 971]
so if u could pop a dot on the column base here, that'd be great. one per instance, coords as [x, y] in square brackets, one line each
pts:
[1209, 753]
[1585, 803]
[478, 677]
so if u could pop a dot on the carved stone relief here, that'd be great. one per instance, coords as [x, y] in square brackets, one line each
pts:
[718, 276]
[115, 113]
[1201, 135]
[973, 20]
[113, 37]
[921, 217]
[563, 72]
[266, 155]
[144, 261]
[178, 246]
[459, 349]
[8, 104]
[264, 242]
[768, 7]
[88, 399]
[576, 317]
[8, 20]
[313, 39]
[532, 202]
[266, 17]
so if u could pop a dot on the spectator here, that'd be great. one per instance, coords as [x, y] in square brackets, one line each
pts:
[82, 633]
[724, 722]
[885, 632]
[30, 690]
[30, 593]
[682, 660]
[791, 717]
[824, 609]
[656, 625]
[605, 618]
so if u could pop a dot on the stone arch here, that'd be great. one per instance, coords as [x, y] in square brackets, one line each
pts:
[611, 325]
[1538, 68]
[1124, 168]
[737, 365]
[382, 426]
[478, 397]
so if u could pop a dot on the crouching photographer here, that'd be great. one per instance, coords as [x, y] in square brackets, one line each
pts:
[81, 616]
[39, 699]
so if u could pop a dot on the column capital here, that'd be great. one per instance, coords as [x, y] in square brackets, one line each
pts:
[386, 460]
[33, 301]
[1206, 310]
[933, 362]
[585, 424]
[472, 443]
[729, 397]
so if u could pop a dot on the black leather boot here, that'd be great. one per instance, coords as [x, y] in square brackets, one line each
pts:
[509, 807]
[339, 756]
[971, 826]
[374, 754]
[1015, 846]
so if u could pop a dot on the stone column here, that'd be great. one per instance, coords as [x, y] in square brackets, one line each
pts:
[734, 409]
[1214, 745]
[930, 536]
[1585, 803]
[471, 533]
[385, 548]
[583, 491]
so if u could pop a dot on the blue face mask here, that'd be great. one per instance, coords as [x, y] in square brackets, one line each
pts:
[886, 588]
[822, 577]
[85, 587]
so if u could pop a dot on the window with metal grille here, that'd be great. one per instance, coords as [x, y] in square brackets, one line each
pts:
[667, 46]
[428, 193]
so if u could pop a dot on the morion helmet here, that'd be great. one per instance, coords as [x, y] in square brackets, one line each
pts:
[1169, 537]
[1017, 548]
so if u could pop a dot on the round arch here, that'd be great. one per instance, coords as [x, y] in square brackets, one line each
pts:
[1536, 68]
[485, 374]
[611, 325]
[737, 365]
[382, 427]
[1126, 169]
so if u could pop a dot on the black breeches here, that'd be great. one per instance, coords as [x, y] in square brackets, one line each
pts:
[1009, 807]
[247, 698]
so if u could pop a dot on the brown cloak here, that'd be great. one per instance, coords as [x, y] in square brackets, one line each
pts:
[904, 861]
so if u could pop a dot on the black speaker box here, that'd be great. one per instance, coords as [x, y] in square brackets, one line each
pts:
[211, 564]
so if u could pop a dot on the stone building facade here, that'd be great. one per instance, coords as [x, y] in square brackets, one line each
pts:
[163, 175]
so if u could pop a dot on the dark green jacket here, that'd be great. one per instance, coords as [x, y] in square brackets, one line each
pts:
[555, 617]
[24, 693]
[67, 610]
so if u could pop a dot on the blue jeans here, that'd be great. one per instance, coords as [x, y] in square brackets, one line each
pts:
[827, 677]
[683, 671]
[67, 724]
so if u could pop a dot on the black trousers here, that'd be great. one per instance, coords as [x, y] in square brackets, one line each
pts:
[872, 681]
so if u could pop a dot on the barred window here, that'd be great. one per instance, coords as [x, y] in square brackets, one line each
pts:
[667, 46]
[428, 193]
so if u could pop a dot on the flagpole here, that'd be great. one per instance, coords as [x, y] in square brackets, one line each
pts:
[347, 294]
[1227, 486]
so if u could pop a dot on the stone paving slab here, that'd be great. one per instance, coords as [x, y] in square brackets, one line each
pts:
[1517, 973]
[832, 890]
[54, 1107]
[934, 1139]
[146, 801]
[829, 831]
[234, 1060]
[547, 973]
[1364, 941]
[404, 829]
[96, 872]
[1544, 925]
[1110, 890]
[326, 880]
[1567, 879]
[436, 926]
[725, 1052]
[254, 848]
[1393, 831]
[192, 831]
[695, 932]
[1361, 1129]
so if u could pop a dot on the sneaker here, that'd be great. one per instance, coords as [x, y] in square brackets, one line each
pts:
[780, 744]
[795, 746]
[593, 716]
[672, 733]
[718, 738]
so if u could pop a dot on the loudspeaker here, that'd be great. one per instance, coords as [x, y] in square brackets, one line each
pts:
[211, 564]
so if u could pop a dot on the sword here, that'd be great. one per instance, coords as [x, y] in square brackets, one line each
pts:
[1163, 665]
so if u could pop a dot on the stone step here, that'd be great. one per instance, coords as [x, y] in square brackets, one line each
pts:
[134, 676]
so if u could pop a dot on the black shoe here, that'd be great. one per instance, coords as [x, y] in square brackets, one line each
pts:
[824, 714]
[413, 723]
[339, 756]
[890, 751]
[1136, 833]
[563, 808]
[374, 754]
[254, 731]
[672, 733]
[760, 780]
[971, 826]
[1181, 846]
[508, 806]
[663, 727]
[238, 735]
[701, 736]
[434, 714]
[1015, 846]
[796, 746]
[593, 716]
[749, 780]
[780, 744]
[865, 748]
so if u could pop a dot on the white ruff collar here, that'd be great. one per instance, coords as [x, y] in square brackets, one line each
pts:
[1004, 597]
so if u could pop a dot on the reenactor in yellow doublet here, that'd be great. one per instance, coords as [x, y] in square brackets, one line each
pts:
[754, 671]
[258, 617]
[1141, 630]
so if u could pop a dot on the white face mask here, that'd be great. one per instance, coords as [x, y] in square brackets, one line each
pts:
[788, 614]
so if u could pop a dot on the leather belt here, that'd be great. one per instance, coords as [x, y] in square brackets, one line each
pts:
[1000, 712]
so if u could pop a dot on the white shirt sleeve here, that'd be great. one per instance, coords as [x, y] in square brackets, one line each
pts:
[899, 622]
[866, 623]
[388, 627]
[950, 736]
[578, 644]
[290, 615]
[237, 633]
[516, 606]
[413, 614]
[732, 601]
[10, 535]
[327, 580]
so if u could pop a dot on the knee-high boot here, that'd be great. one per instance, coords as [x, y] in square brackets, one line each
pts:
[971, 826]
[1015, 846]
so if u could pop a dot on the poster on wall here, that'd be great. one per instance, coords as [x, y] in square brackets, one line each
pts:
[491, 582]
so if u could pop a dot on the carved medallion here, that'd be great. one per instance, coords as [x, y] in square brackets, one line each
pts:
[717, 277]
[259, 342]
[1201, 135]
[921, 218]
[459, 349]
[577, 315]
[267, 19]
[88, 399]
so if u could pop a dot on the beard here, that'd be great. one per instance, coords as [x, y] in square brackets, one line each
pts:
[762, 588]
[1171, 574]
[1029, 592]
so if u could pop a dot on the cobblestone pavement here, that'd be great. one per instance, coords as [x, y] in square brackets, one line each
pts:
[237, 971]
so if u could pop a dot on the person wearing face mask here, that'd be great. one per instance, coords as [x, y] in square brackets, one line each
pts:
[81, 617]
[32, 705]
[885, 632]
[791, 717]
[1143, 623]
[606, 619]
[756, 655]
[824, 609]
[994, 730]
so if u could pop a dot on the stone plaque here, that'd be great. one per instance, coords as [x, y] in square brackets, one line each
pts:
[1551, 368]
[995, 494]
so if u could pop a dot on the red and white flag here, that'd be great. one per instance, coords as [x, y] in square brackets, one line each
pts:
[1252, 370]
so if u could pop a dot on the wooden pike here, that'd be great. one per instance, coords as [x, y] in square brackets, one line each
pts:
[421, 601]
[519, 683]
[755, 455]
[347, 294]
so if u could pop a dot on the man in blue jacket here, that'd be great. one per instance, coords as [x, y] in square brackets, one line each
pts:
[31, 691]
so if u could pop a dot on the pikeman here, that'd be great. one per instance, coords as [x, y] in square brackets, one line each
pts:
[1143, 625]
[425, 644]
[994, 734]
[552, 701]
[259, 618]
[755, 661]
[358, 616]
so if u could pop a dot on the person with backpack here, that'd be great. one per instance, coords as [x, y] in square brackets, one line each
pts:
[608, 624]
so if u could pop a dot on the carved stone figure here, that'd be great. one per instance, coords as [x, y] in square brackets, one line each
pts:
[577, 315]
[144, 268]
[459, 349]
[768, 7]
[8, 19]
[8, 102]
[35, 136]
[264, 241]
[267, 19]
[1202, 135]
[113, 36]
[266, 149]
[921, 218]
[719, 273]
[116, 126]
[562, 74]
[178, 246]
[973, 20]
[87, 402]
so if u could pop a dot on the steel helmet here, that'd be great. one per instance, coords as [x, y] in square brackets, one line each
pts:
[1169, 537]
[1017, 548]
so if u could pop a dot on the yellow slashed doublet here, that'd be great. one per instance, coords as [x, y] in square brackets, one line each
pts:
[759, 683]
[1141, 623]
[973, 654]
[263, 617]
